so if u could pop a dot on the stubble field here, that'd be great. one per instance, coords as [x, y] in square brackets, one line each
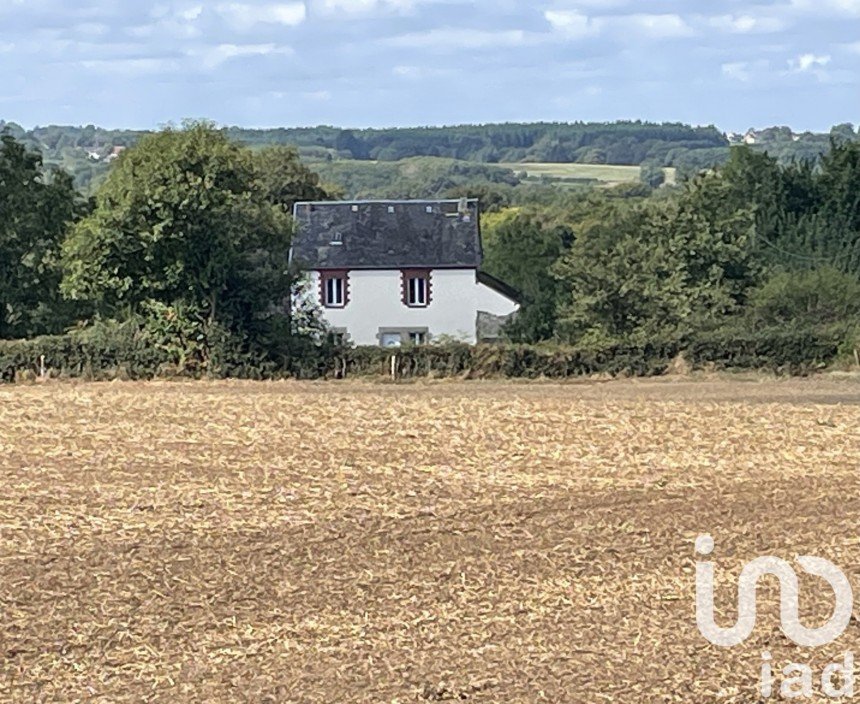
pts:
[350, 542]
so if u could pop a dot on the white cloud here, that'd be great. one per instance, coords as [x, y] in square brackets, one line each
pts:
[213, 56]
[854, 48]
[454, 38]
[577, 25]
[826, 8]
[319, 95]
[572, 23]
[747, 24]
[6, 47]
[420, 72]
[362, 7]
[243, 16]
[808, 62]
[191, 13]
[127, 67]
[658, 26]
[738, 70]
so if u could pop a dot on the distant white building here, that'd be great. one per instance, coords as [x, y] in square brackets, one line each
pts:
[399, 272]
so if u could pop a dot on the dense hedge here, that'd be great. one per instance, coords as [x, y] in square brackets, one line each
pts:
[82, 354]
[789, 351]
[124, 353]
[514, 361]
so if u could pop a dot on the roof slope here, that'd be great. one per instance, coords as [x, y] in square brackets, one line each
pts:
[387, 234]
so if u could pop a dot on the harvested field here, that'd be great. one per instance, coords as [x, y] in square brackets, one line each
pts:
[340, 542]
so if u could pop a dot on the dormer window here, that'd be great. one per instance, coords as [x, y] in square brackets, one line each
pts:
[334, 289]
[417, 288]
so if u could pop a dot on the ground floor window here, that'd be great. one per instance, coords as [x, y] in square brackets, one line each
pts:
[395, 337]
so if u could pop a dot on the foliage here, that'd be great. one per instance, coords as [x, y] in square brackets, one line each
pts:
[658, 271]
[284, 180]
[519, 250]
[35, 211]
[184, 221]
[791, 299]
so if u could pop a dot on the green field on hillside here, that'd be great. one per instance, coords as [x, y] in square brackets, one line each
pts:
[605, 173]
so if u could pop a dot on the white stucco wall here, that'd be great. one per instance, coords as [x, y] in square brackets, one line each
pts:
[375, 301]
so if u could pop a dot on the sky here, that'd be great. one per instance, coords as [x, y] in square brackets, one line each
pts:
[378, 63]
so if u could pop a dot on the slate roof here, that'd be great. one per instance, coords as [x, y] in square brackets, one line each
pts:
[387, 234]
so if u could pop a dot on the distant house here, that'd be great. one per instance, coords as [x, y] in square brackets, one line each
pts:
[399, 272]
[115, 152]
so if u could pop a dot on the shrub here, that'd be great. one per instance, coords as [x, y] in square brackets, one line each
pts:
[776, 349]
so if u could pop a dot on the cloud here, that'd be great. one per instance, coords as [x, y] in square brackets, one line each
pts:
[362, 7]
[747, 24]
[214, 56]
[318, 95]
[572, 23]
[657, 26]
[808, 62]
[575, 24]
[128, 67]
[244, 16]
[738, 70]
[448, 38]
[850, 8]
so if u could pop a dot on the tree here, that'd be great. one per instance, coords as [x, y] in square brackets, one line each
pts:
[820, 296]
[520, 251]
[652, 174]
[283, 178]
[658, 272]
[35, 211]
[183, 220]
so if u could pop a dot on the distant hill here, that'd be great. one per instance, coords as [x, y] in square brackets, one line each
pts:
[86, 152]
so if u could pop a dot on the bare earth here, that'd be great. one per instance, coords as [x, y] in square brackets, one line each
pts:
[340, 542]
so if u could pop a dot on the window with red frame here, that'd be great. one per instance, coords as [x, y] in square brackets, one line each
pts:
[417, 288]
[334, 289]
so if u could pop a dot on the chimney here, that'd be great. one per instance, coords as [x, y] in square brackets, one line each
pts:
[463, 208]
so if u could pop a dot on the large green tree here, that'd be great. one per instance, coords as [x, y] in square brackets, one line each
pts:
[184, 219]
[189, 225]
[659, 271]
[36, 209]
[520, 250]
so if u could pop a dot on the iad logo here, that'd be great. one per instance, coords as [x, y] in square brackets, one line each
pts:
[800, 685]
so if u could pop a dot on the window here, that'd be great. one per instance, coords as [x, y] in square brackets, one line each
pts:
[417, 288]
[390, 209]
[417, 293]
[396, 337]
[390, 339]
[339, 337]
[334, 289]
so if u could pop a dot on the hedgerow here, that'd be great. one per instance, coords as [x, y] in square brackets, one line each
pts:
[127, 351]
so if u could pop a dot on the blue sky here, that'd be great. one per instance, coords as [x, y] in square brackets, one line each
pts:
[416, 62]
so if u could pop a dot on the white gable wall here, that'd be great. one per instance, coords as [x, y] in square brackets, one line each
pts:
[375, 301]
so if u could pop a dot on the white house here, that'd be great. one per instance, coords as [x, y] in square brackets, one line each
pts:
[397, 272]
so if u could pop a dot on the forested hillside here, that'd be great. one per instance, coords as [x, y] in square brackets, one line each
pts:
[461, 151]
